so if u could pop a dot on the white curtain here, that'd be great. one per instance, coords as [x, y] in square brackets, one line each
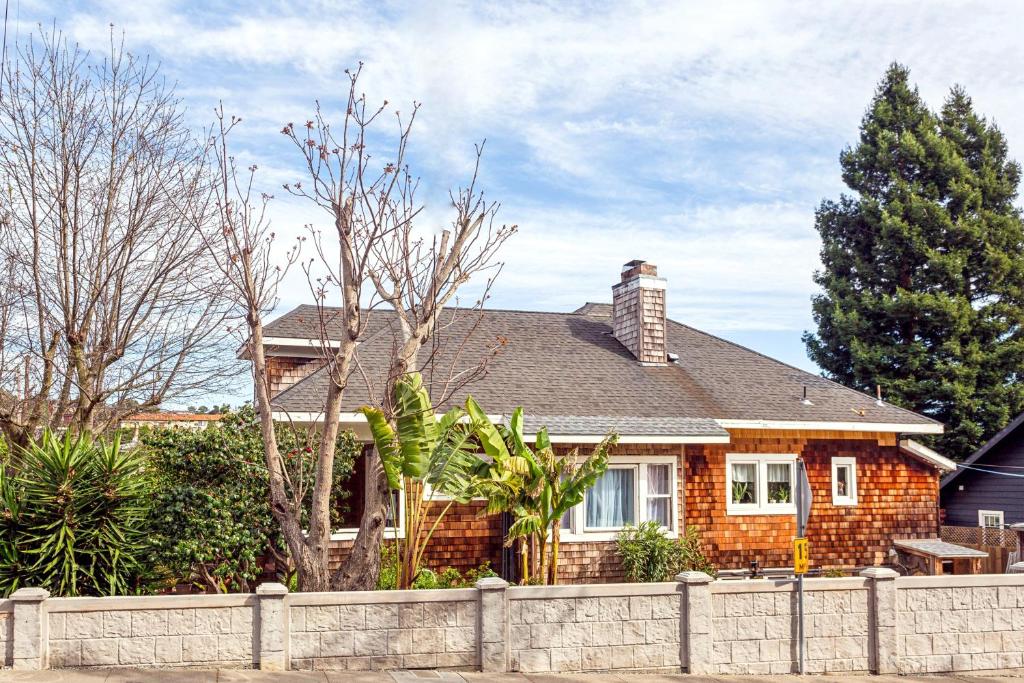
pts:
[610, 502]
[659, 494]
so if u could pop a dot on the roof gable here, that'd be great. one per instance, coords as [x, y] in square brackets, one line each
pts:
[987, 448]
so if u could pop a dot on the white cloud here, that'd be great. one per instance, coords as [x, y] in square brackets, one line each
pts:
[700, 136]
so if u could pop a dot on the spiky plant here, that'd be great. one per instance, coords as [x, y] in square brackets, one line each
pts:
[74, 510]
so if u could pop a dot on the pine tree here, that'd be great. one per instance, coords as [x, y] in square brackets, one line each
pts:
[923, 278]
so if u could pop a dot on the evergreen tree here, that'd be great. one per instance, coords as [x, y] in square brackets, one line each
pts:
[923, 278]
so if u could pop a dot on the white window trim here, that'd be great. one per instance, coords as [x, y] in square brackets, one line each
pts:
[576, 533]
[762, 507]
[349, 534]
[851, 497]
[995, 513]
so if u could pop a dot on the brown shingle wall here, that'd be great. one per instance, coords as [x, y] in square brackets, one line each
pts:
[464, 540]
[284, 371]
[897, 498]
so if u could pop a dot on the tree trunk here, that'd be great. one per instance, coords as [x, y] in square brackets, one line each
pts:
[553, 569]
[524, 561]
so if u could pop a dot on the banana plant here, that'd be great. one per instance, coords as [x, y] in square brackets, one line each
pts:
[421, 450]
[538, 487]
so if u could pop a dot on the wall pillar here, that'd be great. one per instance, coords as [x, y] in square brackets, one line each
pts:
[31, 629]
[492, 639]
[883, 655]
[274, 628]
[695, 610]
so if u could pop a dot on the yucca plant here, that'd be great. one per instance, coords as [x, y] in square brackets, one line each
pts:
[75, 511]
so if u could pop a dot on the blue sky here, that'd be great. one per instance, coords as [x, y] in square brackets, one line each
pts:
[699, 136]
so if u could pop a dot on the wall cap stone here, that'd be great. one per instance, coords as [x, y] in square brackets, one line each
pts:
[30, 595]
[491, 583]
[693, 577]
[880, 573]
[271, 589]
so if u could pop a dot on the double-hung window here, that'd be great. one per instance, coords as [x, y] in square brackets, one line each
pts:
[632, 490]
[760, 484]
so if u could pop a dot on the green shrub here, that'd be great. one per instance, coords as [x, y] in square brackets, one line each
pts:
[212, 523]
[74, 518]
[449, 577]
[649, 555]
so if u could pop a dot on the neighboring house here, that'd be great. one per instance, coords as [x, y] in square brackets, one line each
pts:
[987, 489]
[182, 420]
[709, 430]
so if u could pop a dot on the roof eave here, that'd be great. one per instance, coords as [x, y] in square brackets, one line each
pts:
[927, 455]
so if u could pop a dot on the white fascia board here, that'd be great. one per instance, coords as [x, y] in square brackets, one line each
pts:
[922, 428]
[345, 418]
[302, 343]
[291, 343]
[922, 452]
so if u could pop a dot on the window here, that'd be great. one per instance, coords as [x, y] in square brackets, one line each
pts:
[611, 502]
[844, 481]
[990, 518]
[634, 489]
[760, 484]
[659, 494]
[350, 518]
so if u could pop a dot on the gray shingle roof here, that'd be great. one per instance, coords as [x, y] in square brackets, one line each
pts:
[577, 425]
[570, 364]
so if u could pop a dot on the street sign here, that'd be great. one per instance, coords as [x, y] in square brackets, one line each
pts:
[801, 556]
[803, 499]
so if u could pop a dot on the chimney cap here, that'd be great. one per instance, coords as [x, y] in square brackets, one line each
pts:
[638, 267]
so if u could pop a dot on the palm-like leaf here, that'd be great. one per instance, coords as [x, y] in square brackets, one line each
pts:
[417, 425]
[385, 441]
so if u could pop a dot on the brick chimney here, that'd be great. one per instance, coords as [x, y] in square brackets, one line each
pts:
[638, 312]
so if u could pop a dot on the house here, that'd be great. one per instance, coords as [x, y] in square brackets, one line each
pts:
[709, 430]
[166, 419]
[987, 489]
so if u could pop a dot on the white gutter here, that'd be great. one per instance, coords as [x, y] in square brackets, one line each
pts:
[921, 428]
[922, 452]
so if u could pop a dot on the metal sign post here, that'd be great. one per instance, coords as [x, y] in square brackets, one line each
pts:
[801, 552]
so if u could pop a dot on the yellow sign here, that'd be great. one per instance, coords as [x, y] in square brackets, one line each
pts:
[801, 556]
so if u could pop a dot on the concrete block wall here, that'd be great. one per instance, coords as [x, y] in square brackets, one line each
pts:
[190, 631]
[755, 627]
[6, 631]
[588, 628]
[877, 622]
[384, 630]
[972, 623]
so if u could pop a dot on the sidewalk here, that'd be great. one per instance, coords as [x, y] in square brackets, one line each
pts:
[422, 676]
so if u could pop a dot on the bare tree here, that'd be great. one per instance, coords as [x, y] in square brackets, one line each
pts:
[117, 307]
[371, 257]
